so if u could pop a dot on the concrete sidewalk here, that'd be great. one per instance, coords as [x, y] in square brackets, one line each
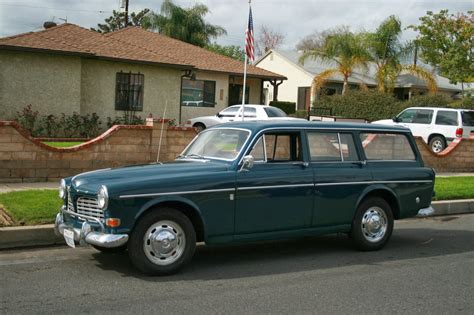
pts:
[8, 187]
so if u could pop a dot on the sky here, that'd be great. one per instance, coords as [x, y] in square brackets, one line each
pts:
[295, 19]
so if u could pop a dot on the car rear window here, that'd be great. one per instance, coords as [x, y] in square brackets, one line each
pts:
[467, 118]
[387, 146]
[274, 112]
[447, 118]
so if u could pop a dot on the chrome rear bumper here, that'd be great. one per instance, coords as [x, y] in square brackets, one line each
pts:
[85, 235]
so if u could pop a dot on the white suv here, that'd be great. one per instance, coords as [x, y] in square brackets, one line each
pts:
[437, 126]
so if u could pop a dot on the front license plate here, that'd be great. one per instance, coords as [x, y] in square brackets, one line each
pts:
[69, 238]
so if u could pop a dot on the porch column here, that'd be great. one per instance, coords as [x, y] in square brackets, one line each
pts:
[275, 84]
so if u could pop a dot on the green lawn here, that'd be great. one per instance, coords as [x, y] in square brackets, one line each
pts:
[40, 206]
[448, 188]
[31, 206]
[62, 144]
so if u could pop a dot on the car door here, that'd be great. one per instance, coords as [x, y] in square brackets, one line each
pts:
[339, 175]
[276, 194]
[418, 120]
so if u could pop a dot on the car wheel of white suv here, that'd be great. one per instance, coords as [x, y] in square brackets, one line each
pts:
[437, 144]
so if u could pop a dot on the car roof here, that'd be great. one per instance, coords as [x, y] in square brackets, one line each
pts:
[440, 108]
[257, 125]
[248, 105]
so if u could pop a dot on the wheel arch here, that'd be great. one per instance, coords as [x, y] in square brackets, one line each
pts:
[187, 207]
[385, 193]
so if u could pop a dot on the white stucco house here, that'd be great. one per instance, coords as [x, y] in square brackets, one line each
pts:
[300, 76]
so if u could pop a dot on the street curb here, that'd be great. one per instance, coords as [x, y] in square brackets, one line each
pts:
[42, 235]
[26, 236]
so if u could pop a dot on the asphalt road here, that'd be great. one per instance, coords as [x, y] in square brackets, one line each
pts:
[428, 267]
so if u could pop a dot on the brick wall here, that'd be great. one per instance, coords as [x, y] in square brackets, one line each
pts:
[457, 157]
[25, 159]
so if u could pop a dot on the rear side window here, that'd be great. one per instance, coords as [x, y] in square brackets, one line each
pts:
[467, 118]
[387, 146]
[447, 118]
[274, 112]
[332, 147]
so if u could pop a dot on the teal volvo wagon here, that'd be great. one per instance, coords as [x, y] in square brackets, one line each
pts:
[250, 181]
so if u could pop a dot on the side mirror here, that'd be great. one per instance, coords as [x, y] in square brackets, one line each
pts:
[395, 119]
[247, 162]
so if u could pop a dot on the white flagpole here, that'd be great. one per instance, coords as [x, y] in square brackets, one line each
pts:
[242, 109]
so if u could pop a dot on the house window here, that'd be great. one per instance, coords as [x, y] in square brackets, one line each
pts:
[198, 93]
[129, 91]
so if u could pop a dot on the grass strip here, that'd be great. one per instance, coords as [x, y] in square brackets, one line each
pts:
[62, 144]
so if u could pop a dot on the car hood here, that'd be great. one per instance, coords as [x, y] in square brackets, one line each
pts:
[384, 122]
[128, 177]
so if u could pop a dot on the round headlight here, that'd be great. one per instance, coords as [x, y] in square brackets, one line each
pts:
[62, 189]
[102, 197]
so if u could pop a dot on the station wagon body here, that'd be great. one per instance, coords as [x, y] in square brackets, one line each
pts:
[251, 181]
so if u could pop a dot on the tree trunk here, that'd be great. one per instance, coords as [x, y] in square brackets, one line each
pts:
[345, 85]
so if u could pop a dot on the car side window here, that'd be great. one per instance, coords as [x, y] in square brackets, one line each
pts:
[277, 147]
[332, 146]
[386, 146]
[423, 116]
[407, 116]
[447, 118]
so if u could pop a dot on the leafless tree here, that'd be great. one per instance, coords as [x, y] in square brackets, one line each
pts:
[267, 39]
[316, 39]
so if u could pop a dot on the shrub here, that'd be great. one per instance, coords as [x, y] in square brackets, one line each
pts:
[371, 105]
[429, 100]
[27, 118]
[287, 107]
[301, 113]
[125, 120]
[466, 102]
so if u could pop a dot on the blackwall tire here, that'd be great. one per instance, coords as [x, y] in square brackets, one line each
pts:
[437, 144]
[163, 242]
[372, 225]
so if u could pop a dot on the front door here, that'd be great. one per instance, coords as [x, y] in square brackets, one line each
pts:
[235, 94]
[339, 176]
[276, 194]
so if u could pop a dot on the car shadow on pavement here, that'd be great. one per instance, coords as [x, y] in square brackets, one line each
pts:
[312, 253]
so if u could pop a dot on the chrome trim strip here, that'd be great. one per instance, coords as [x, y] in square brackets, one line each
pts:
[275, 186]
[177, 193]
[375, 182]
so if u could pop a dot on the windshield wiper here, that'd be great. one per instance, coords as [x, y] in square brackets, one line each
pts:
[193, 155]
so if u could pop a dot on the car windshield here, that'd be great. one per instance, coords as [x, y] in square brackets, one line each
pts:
[220, 144]
[468, 118]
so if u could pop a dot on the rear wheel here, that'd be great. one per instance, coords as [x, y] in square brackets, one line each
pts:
[199, 127]
[163, 242]
[437, 144]
[372, 225]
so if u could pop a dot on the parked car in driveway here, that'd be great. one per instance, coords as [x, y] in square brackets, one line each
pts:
[234, 113]
[250, 181]
[437, 126]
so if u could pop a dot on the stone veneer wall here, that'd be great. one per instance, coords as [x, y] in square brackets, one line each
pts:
[25, 159]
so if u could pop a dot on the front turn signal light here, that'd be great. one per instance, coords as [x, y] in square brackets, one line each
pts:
[112, 222]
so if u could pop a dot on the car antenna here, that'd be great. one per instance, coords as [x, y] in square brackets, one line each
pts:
[161, 133]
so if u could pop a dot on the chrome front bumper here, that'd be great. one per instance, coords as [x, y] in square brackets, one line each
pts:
[426, 212]
[85, 235]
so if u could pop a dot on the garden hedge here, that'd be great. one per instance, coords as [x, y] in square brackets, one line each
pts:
[288, 107]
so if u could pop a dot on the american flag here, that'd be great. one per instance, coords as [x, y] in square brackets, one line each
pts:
[249, 38]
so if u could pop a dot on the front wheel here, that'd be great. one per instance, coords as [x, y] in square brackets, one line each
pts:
[199, 127]
[372, 225]
[163, 242]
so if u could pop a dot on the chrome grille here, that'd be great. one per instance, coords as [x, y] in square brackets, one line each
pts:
[89, 206]
[70, 204]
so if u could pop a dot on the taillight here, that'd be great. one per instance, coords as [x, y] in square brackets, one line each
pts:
[459, 133]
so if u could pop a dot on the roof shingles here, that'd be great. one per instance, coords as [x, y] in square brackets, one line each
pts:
[132, 44]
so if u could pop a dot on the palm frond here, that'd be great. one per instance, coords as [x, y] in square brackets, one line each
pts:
[422, 74]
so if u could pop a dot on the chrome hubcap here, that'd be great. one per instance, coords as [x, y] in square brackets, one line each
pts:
[437, 146]
[374, 224]
[164, 242]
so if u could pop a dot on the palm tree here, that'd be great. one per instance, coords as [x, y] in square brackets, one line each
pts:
[343, 49]
[184, 24]
[385, 52]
